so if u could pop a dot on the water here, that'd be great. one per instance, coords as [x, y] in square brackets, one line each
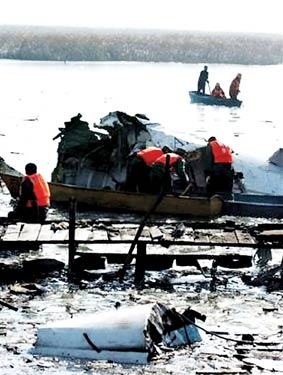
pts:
[51, 92]
[37, 98]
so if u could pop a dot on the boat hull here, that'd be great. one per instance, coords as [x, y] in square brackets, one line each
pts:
[134, 202]
[248, 205]
[211, 100]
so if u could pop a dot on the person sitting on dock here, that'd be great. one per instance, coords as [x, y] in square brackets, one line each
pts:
[217, 162]
[218, 91]
[139, 167]
[175, 181]
[34, 199]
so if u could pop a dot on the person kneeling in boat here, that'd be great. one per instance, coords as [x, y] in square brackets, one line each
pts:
[217, 161]
[175, 180]
[34, 199]
[139, 166]
[217, 92]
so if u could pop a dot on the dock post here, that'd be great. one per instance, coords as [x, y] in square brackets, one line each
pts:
[72, 228]
[140, 263]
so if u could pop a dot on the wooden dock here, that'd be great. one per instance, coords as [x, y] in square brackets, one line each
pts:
[159, 243]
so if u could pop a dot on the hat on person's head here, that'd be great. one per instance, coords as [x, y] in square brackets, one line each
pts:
[211, 139]
[239, 75]
[217, 84]
[205, 67]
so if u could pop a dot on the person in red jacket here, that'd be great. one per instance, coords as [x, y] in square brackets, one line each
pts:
[235, 86]
[137, 179]
[217, 161]
[175, 181]
[218, 92]
[34, 199]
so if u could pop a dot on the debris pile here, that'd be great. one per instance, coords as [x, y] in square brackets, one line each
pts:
[98, 158]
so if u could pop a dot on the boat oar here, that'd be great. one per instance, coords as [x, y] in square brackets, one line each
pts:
[122, 271]
[209, 87]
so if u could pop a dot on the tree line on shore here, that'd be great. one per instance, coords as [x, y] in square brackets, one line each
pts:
[71, 44]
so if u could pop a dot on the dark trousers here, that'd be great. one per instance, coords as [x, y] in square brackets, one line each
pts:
[36, 214]
[137, 176]
[221, 181]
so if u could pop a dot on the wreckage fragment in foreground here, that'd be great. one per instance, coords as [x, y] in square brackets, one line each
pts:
[126, 335]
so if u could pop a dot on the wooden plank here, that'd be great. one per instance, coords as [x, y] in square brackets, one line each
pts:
[229, 237]
[82, 234]
[30, 232]
[201, 235]
[98, 234]
[46, 233]
[12, 232]
[275, 234]
[155, 233]
[221, 236]
[60, 235]
[113, 234]
[128, 234]
[244, 237]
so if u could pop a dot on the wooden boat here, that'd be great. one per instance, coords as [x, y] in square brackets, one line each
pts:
[248, 205]
[123, 201]
[212, 100]
[125, 335]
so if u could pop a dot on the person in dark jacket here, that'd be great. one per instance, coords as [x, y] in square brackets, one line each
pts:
[173, 180]
[34, 199]
[217, 161]
[203, 79]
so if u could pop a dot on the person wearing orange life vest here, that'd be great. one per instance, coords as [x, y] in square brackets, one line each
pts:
[176, 180]
[34, 200]
[217, 161]
[139, 167]
[217, 92]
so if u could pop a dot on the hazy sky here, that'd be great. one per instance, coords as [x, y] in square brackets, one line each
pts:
[205, 15]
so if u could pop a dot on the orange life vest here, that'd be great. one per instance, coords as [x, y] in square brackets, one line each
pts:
[221, 153]
[40, 189]
[150, 154]
[173, 158]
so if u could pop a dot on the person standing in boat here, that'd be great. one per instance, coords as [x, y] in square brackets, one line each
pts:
[203, 79]
[139, 165]
[235, 86]
[175, 181]
[34, 199]
[218, 91]
[217, 162]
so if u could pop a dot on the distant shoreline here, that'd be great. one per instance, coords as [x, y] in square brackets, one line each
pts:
[85, 44]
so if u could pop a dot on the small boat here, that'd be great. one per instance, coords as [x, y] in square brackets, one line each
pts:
[93, 199]
[212, 100]
[242, 204]
[127, 335]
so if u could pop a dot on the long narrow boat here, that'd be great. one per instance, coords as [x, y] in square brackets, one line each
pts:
[249, 205]
[123, 201]
[212, 100]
